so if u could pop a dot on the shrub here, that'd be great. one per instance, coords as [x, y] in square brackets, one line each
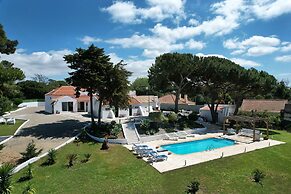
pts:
[193, 187]
[145, 125]
[193, 116]
[52, 154]
[2, 146]
[17, 101]
[71, 159]
[105, 145]
[5, 178]
[258, 176]
[30, 152]
[173, 117]
[87, 158]
[157, 117]
[115, 129]
[28, 174]
[28, 189]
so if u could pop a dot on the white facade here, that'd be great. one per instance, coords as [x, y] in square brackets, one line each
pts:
[223, 111]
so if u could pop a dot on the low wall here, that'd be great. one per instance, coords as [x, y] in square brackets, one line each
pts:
[31, 104]
[153, 138]
[114, 141]
[171, 107]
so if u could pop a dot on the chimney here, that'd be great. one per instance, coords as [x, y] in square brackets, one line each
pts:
[186, 98]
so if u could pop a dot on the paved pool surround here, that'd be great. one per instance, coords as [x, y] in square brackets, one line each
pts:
[176, 161]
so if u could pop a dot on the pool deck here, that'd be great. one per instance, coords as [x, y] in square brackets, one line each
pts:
[176, 161]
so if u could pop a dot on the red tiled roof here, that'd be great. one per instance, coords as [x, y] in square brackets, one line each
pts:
[263, 105]
[170, 99]
[219, 108]
[142, 99]
[67, 91]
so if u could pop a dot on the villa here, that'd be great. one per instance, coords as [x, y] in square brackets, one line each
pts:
[223, 110]
[263, 105]
[63, 99]
[167, 102]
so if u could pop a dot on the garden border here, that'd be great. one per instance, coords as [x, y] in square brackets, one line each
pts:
[15, 133]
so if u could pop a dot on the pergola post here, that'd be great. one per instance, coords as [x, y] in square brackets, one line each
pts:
[224, 129]
[267, 123]
[254, 131]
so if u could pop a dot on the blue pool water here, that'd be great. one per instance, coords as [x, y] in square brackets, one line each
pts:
[198, 145]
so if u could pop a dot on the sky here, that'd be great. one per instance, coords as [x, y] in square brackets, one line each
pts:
[252, 33]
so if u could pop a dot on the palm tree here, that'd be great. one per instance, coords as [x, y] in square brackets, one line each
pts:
[5, 178]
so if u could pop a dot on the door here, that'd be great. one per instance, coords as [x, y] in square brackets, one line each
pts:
[81, 106]
[70, 106]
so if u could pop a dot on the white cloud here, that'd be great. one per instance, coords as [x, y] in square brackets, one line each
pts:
[286, 47]
[284, 58]
[261, 50]
[193, 22]
[49, 63]
[253, 46]
[157, 10]
[89, 40]
[245, 63]
[267, 9]
[192, 44]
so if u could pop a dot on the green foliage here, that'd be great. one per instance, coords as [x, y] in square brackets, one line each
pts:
[87, 158]
[5, 178]
[93, 71]
[17, 101]
[51, 157]
[5, 105]
[141, 86]
[29, 189]
[193, 187]
[30, 151]
[71, 159]
[193, 116]
[258, 176]
[157, 117]
[2, 146]
[7, 46]
[28, 174]
[273, 118]
[172, 117]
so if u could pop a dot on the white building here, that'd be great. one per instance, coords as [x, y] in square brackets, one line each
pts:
[138, 106]
[223, 110]
[63, 99]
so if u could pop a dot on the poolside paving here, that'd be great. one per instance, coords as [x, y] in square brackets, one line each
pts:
[176, 161]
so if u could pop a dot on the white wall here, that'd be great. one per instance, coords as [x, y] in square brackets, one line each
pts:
[227, 111]
[58, 104]
[48, 106]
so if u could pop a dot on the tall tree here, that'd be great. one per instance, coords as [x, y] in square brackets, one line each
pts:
[141, 85]
[40, 78]
[8, 73]
[172, 72]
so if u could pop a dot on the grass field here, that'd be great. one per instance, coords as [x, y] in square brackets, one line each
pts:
[119, 171]
[6, 130]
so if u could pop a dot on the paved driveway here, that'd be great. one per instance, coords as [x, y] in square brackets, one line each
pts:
[47, 130]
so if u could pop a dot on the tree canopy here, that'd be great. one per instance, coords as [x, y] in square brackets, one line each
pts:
[141, 86]
[93, 72]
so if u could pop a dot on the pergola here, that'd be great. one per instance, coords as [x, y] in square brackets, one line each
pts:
[246, 119]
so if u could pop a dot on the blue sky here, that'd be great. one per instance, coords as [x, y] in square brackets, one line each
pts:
[252, 33]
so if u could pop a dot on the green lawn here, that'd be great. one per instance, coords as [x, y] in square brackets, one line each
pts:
[118, 171]
[33, 100]
[6, 130]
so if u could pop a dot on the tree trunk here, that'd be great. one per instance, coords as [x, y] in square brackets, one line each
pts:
[213, 112]
[238, 103]
[99, 112]
[91, 110]
[178, 92]
[116, 111]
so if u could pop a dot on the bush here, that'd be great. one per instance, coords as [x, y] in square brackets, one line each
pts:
[17, 101]
[172, 117]
[30, 152]
[29, 189]
[157, 117]
[87, 158]
[2, 146]
[71, 159]
[193, 187]
[5, 178]
[145, 125]
[28, 174]
[105, 145]
[193, 116]
[115, 129]
[52, 154]
[258, 175]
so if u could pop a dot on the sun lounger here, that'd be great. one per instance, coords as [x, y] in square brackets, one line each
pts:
[155, 157]
[181, 134]
[11, 121]
[2, 120]
[231, 131]
[143, 152]
[136, 146]
[171, 136]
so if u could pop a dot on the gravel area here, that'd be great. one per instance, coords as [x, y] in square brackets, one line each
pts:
[46, 130]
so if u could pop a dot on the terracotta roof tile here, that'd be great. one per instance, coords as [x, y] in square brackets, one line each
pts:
[142, 99]
[263, 105]
[170, 99]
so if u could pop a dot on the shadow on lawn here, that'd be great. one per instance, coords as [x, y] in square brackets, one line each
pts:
[58, 129]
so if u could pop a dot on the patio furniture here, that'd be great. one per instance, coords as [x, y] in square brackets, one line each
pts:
[155, 157]
[231, 131]
[189, 134]
[181, 135]
[171, 136]
[142, 152]
[2, 120]
[136, 146]
[11, 121]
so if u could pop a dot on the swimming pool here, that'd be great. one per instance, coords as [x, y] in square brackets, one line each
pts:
[198, 145]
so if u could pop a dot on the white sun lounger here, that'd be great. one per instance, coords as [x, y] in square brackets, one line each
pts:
[171, 136]
[181, 134]
[136, 146]
[2, 120]
[155, 157]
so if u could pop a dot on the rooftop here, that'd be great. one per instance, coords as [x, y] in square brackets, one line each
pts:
[269, 105]
[170, 99]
